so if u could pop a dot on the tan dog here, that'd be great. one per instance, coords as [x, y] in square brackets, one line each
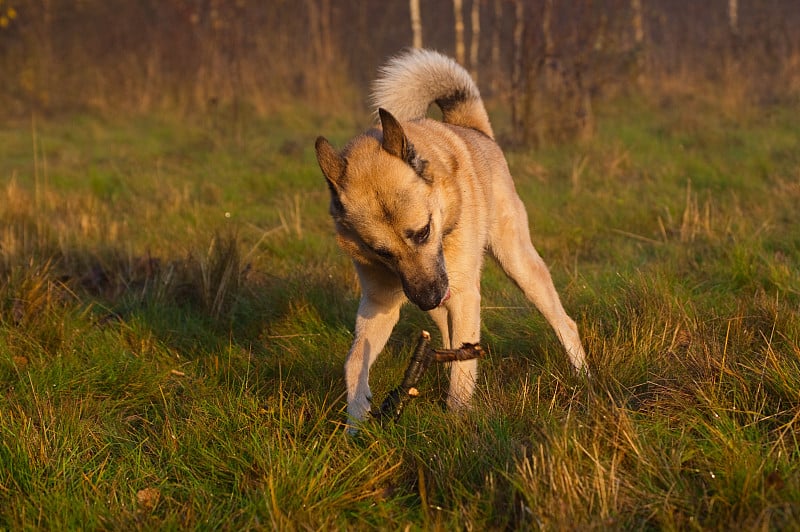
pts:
[416, 204]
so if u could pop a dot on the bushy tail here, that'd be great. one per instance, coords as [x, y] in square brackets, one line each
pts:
[408, 83]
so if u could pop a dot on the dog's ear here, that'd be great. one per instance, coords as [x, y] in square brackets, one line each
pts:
[331, 163]
[394, 138]
[333, 166]
[396, 143]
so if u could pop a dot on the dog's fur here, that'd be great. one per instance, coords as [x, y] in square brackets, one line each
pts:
[416, 203]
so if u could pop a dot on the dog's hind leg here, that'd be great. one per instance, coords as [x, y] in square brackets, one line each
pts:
[512, 247]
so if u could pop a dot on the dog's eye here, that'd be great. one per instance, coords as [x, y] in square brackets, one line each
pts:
[421, 236]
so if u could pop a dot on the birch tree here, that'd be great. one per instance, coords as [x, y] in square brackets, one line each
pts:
[459, 31]
[475, 21]
[495, 47]
[517, 68]
[319, 20]
[638, 40]
[416, 23]
[733, 16]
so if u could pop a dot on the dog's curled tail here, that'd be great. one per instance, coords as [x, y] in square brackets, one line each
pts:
[408, 83]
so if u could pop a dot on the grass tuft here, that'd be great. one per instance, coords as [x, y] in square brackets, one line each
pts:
[174, 315]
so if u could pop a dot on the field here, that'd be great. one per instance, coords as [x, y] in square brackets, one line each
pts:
[174, 316]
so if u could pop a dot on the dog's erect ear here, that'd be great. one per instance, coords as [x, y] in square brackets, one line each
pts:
[394, 138]
[330, 162]
[396, 143]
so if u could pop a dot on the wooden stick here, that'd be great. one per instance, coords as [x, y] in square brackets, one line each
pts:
[465, 352]
[396, 401]
[421, 359]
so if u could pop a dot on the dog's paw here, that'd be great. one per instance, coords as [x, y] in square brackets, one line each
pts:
[358, 412]
[580, 366]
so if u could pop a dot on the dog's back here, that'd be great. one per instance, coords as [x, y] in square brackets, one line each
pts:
[411, 81]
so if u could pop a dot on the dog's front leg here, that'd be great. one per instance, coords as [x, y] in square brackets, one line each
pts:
[373, 328]
[465, 325]
[378, 313]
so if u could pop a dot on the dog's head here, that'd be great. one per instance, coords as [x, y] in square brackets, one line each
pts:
[388, 210]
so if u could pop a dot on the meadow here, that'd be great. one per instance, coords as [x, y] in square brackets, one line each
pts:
[174, 316]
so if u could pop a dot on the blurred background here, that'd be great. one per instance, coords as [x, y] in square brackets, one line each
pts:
[547, 62]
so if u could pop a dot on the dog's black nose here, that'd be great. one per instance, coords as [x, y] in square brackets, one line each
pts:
[429, 298]
[426, 285]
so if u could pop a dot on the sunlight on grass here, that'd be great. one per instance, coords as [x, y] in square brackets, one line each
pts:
[174, 316]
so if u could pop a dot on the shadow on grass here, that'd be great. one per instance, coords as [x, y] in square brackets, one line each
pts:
[208, 310]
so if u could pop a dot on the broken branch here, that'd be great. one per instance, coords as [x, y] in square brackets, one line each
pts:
[421, 359]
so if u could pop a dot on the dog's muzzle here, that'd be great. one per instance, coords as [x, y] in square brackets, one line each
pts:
[426, 285]
[430, 299]
[429, 295]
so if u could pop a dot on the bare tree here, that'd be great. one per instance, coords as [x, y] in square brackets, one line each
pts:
[638, 40]
[459, 31]
[733, 16]
[543, 109]
[416, 22]
[517, 68]
[552, 77]
[475, 20]
[545, 56]
[636, 20]
[549, 44]
[319, 19]
[496, 24]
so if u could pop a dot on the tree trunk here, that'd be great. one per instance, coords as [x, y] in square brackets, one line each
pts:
[733, 16]
[416, 23]
[496, 23]
[459, 30]
[516, 70]
[638, 29]
[638, 41]
[319, 18]
[549, 45]
[476, 37]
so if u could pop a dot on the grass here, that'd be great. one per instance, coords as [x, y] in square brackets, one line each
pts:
[174, 316]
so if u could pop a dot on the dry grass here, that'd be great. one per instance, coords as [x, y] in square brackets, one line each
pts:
[163, 365]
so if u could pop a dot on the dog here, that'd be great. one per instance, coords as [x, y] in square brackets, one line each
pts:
[416, 202]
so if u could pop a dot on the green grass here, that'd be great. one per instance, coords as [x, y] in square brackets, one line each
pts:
[174, 315]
